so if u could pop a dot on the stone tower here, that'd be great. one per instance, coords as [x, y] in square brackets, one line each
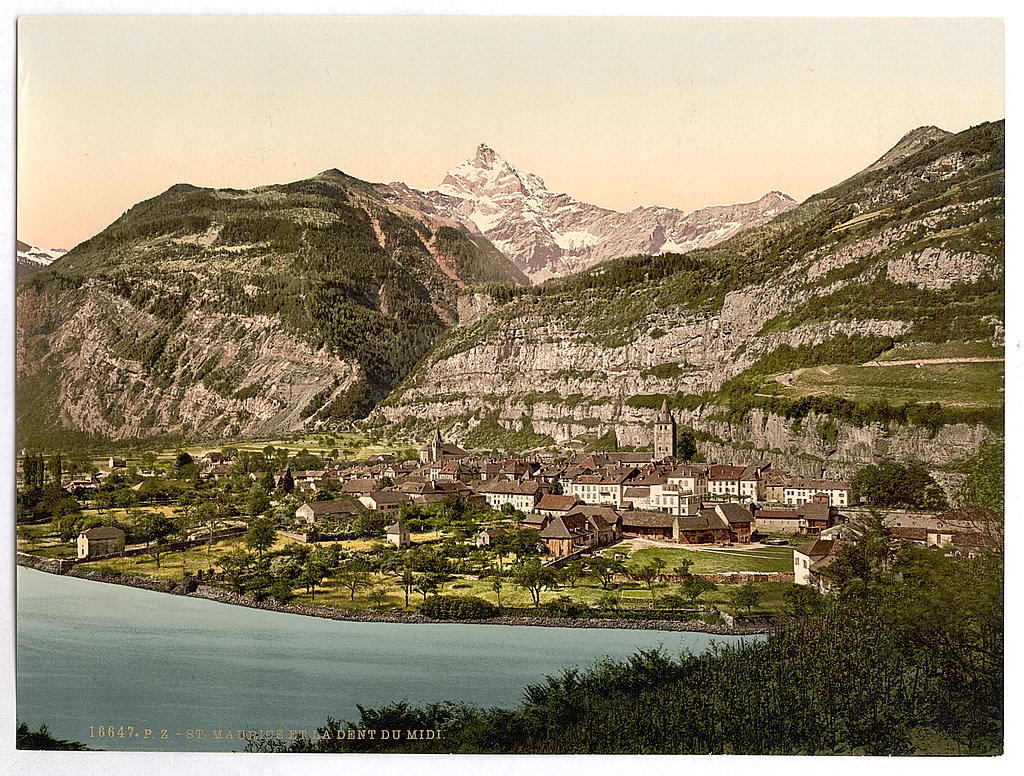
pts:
[664, 433]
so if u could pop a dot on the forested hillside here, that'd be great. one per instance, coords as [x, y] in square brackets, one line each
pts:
[225, 312]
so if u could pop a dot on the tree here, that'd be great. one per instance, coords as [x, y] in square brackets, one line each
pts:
[649, 576]
[258, 501]
[694, 587]
[288, 482]
[747, 595]
[555, 488]
[313, 573]
[683, 569]
[496, 587]
[534, 577]
[573, 572]
[604, 568]
[354, 576]
[803, 600]
[890, 484]
[408, 584]
[236, 566]
[261, 535]
[378, 595]
[686, 446]
[426, 585]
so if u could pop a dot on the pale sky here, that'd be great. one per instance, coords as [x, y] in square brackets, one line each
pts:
[620, 112]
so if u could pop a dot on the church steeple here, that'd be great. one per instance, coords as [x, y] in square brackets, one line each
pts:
[664, 433]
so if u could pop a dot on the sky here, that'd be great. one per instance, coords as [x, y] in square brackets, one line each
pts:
[621, 112]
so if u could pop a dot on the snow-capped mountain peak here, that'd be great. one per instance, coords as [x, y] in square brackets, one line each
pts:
[548, 234]
[29, 258]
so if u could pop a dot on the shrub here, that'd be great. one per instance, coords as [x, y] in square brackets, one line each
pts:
[454, 607]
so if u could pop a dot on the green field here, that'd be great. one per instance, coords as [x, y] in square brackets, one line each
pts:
[971, 385]
[717, 560]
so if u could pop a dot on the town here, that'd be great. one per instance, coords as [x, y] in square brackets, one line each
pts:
[632, 523]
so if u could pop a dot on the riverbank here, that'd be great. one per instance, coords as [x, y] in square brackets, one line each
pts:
[51, 566]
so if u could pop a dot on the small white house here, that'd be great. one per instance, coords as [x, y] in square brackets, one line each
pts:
[398, 534]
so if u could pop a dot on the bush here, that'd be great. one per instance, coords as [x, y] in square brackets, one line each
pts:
[455, 607]
[563, 606]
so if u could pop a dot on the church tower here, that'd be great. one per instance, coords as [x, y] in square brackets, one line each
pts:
[436, 446]
[664, 433]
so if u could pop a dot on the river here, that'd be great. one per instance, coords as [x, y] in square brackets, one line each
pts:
[94, 655]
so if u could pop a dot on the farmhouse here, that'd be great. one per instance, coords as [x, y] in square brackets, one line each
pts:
[311, 511]
[100, 541]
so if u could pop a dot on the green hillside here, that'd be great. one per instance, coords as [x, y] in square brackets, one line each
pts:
[207, 286]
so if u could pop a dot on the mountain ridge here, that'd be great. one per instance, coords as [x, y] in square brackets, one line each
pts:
[549, 234]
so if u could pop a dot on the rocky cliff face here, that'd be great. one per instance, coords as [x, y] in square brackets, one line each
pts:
[210, 313]
[581, 357]
[548, 234]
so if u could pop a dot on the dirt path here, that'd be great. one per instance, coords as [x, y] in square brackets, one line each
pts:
[924, 361]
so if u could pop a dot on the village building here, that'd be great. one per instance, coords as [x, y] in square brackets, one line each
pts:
[359, 487]
[117, 462]
[577, 532]
[100, 541]
[398, 534]
[739, 519]
[81, 485]
[811, 562]
[801, 491]
[534, 522]
[554, 505]
[603, 488]
[664, 433]
[807, 519]
[486, 536]
[522, 496]
[438, 450]
[724, 480]
[383, 500]
[311, 511]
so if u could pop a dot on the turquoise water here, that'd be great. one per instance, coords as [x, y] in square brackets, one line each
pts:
[92, 654]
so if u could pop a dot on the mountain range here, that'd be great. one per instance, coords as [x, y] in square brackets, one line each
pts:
[29, 259]
[548, 234]
[756, 342]
[226, 313]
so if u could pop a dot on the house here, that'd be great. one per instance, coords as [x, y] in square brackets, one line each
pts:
[81, 485]
[523, 496]
[811, 561]
[724, 480]
[739, 519]
[311, 511]
[552, 505]
[653, 525]
[578, 531]
[117, 462]
[100, 541]
[777, 521]
[706, 527]
[484, 538]
[798, 491]
[383, 500]
[534, 522]
[398, 535]
[359, 486]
